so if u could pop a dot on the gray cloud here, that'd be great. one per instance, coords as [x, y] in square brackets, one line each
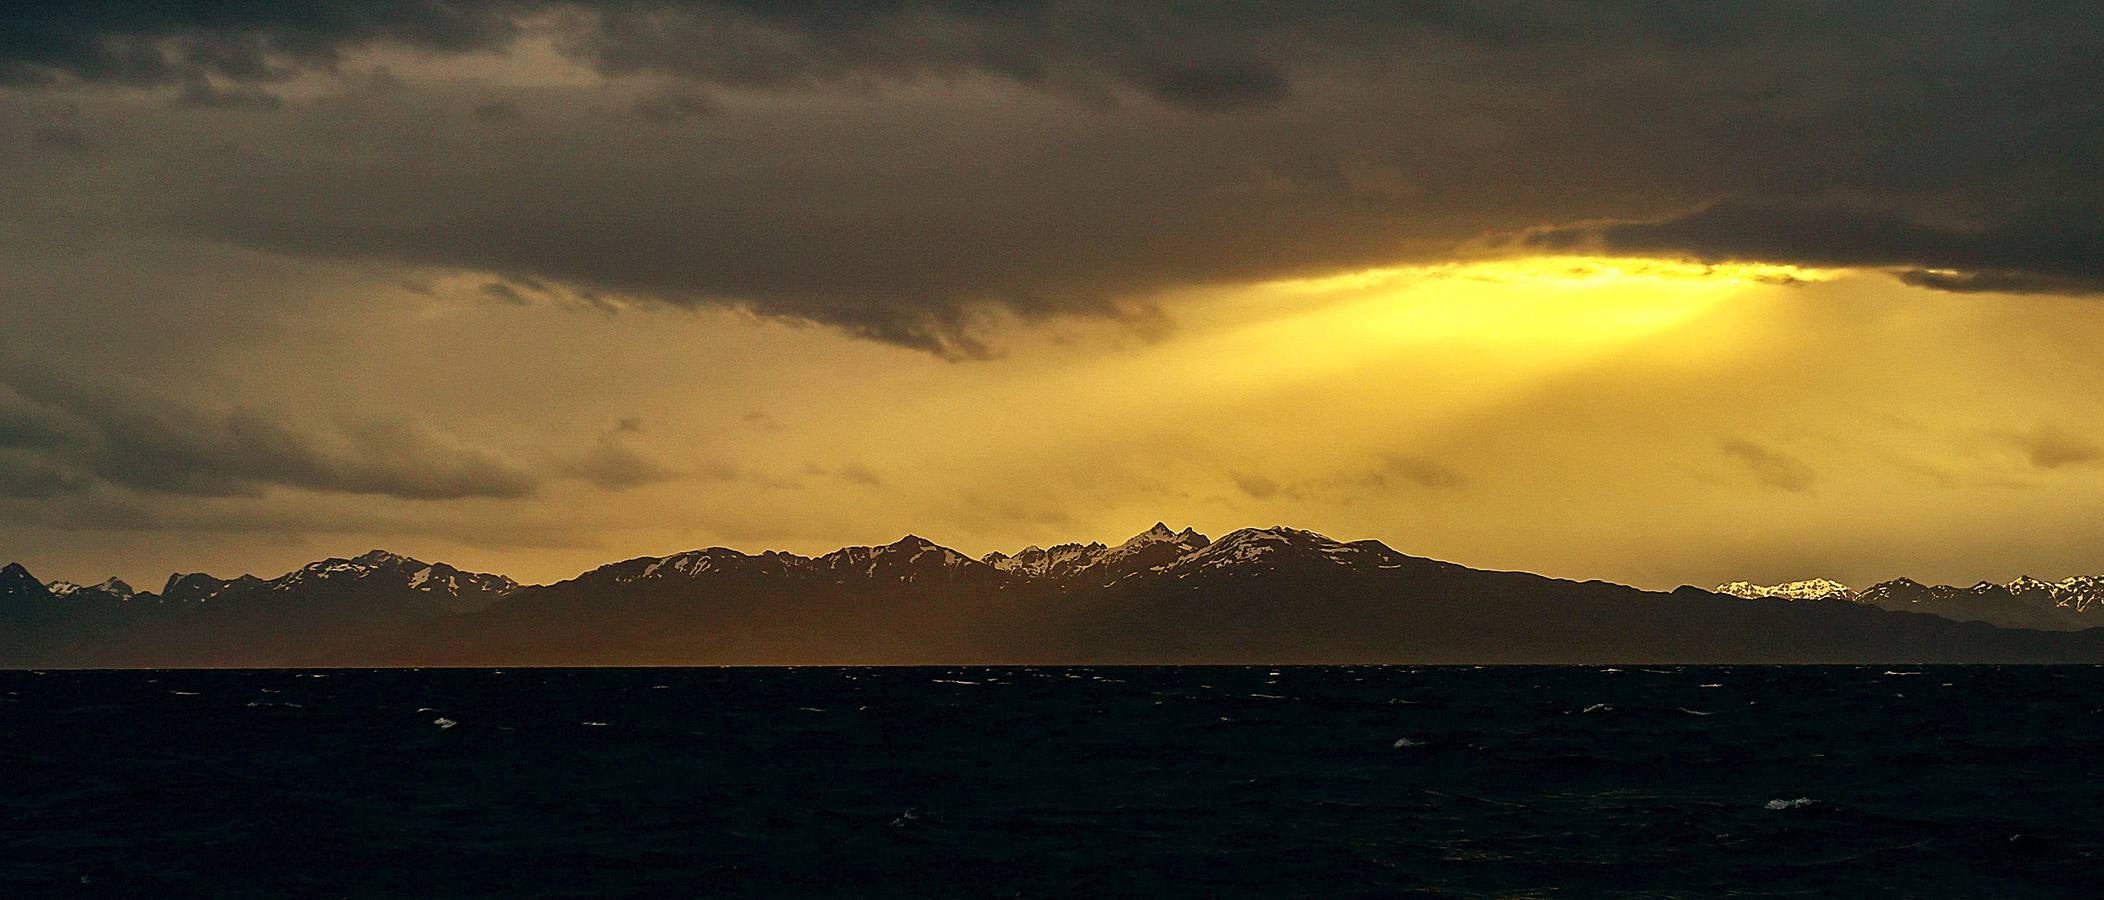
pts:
[1388, 473]
[503, 293]
[82, 432]
[497, 111]
[668, 107]
[1420, 471]
[203, 95]
[1771, 467]
[117, 514]
[856, 473]
[616, 463]
[2049, 446]
[852, 473]
[65, 137]
[23, 475]
[1258, 487]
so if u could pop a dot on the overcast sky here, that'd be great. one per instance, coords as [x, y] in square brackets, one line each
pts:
[1648, 292]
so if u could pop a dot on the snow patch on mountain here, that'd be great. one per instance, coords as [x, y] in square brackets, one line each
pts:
[1808, 589]
[910, 558]
[1279, 548]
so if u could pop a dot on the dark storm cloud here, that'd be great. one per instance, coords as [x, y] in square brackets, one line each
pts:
[1197, 57]
[80, 432]
[2048, 249]
[1201, 56]
[1998, 282]
[150, 42]
[905, 170]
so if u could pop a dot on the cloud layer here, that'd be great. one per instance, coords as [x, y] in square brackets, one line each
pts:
[62, 436]
[917, 172]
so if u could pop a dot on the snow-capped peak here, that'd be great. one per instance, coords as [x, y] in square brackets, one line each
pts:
[1060, 560]
[1158, 534]
[1280, 547]
[905, 559]
[360, 565]
[1808, 589]
[112, 586]
[383, 558]
[2079, 593]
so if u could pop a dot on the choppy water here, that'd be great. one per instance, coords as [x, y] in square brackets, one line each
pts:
[1006, 782]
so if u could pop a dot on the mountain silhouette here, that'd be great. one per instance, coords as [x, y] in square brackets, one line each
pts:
[1256, 595]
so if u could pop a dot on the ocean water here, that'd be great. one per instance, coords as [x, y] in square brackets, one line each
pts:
[1975, 781]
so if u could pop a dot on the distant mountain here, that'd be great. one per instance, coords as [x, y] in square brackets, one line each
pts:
[1256, 595]
[197, 619]
[2070, 604]
[110, 590]
[376, 576]
[1813, 589]
[1157, 546]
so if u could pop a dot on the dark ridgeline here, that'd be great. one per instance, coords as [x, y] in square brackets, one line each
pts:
[1260, 595]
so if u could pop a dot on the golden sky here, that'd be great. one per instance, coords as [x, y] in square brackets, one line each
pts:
[548, 291]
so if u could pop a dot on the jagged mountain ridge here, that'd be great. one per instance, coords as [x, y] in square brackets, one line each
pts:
[1156, 552]
[374, 572]
[1809, 589]
[1274, 594]
[111, 589]
[1157, 546]
[912, 558]
[2026, 602]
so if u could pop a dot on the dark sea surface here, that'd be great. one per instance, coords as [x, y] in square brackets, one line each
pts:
[1975, 781]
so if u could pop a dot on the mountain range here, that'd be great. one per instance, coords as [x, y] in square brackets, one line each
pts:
[2070, 604]
[1257, 595]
